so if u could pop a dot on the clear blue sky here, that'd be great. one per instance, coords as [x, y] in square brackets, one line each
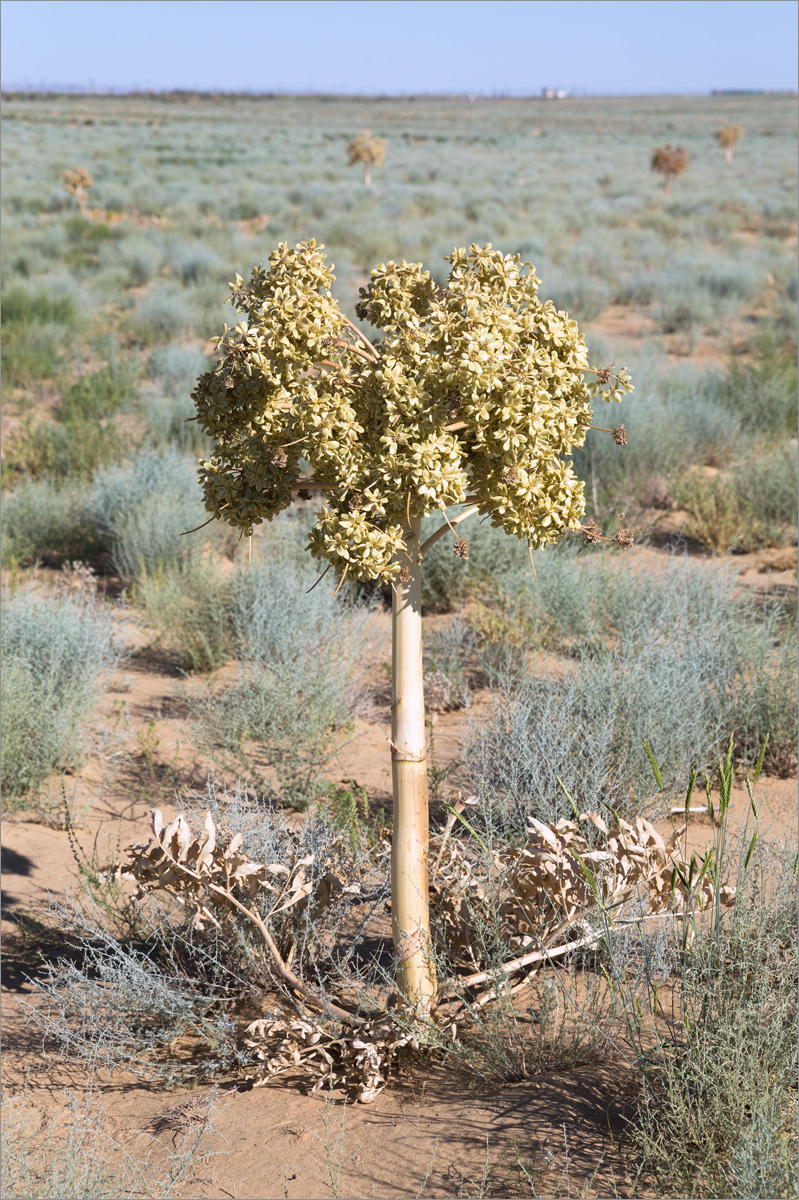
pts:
[402, 46]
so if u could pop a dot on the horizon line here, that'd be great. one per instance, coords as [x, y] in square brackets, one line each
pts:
[110, 90]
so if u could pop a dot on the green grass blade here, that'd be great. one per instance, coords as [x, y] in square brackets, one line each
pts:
[463, 821]
[589, 875]
[726, 777]
[750, 851]
[568, 796]
[655, 767]
[751, 798]
[690, 791]
[761, 756]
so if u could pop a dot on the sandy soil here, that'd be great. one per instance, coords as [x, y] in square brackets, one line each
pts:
[282, 1141]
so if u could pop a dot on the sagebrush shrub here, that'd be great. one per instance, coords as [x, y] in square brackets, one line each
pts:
[299, 663]
[718, 1116]
[674, 659]
[141, 510]
[189, 606]
[40, 519]
[56, 654]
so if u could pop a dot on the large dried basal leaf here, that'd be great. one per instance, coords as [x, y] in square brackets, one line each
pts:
[356, 1059]
[549, 884]
[210, 878]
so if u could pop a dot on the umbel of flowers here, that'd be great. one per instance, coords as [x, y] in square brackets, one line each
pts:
[473, 394]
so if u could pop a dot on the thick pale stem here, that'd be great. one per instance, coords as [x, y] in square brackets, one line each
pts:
[410, 909]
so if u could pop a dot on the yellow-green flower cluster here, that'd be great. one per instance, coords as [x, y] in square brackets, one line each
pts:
[475, 390]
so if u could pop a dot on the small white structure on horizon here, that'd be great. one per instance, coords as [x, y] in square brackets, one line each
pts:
[553, 93]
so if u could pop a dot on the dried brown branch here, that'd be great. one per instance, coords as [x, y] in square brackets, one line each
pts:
[204, 877]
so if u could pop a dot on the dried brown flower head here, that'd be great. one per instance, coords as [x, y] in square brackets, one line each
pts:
[456, 399]
[604, 375]
[591, 533]
[279, 458]
[620, 435]
[461, 548]
[75, 181]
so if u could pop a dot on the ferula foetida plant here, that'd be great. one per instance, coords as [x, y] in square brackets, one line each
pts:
[668, 161]
[75, 183]
[473, 394]
[367, 150]
[728, 138]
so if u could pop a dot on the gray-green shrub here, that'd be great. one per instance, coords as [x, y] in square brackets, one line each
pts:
[674, 659]
[56, 654]
[189, 606]
[141, 509]
[175, 368]
[718, 1111]
[163, 314]
[40, 519]
[299, 663]
[73, 1154]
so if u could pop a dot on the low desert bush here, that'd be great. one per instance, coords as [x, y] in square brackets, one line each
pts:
[139, 256]
[448, 580]
[72, 1153]
[189, 606]
[299, 663]
[193, 262]
[121, 1002]
[56, 654]
[24, 306]
[162, 315]
[32, 353]
[169, 426]
[141, 509]
[752, 506]
[41, 520]
[583, 297]
[581, 601]
[85, 435]
[761, 396]
[674, 660]
[718, 1116]
[175, 369]
[448, 652]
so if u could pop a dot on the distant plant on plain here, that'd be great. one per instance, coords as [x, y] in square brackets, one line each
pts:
[668, 161]
[75, 183]
[728, 138]
[368, 150]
